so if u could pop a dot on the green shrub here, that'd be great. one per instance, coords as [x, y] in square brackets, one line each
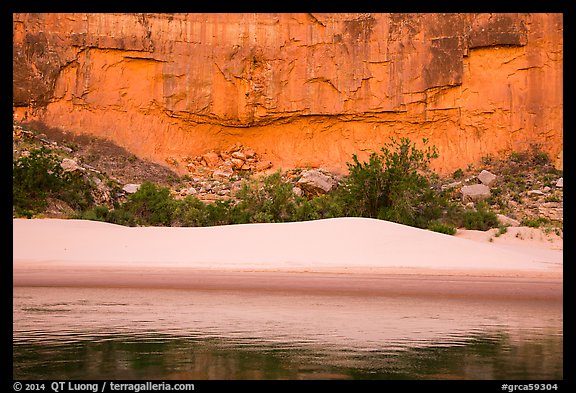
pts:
[539, 157]
[502, 229]
[77, 192]
[480, 219]
[191, 212]
[307, 210]
[394, 185]
[534, 222]
[458, 174]
[34, 179]
[267, 200]
[151, 205]
[442, 228]
[533, 156]
[117, 216]
[219, 213]
[519, 156]
[97, 213]
[328, 206]
[487, 159]
[39, 176]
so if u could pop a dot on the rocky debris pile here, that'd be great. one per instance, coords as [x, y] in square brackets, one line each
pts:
[18, 133]
[224, 164]
[525, 196]
[218, 175]
[208, 189]
[306, 183]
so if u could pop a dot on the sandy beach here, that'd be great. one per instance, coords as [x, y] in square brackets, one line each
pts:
[343, 255]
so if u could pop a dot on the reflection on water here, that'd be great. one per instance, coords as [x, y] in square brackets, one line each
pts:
[89, 333]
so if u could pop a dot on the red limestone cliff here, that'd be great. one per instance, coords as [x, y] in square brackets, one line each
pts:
[299, 89]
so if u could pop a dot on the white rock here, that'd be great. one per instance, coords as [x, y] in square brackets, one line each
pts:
[131, 188]
[69, 165]
[475, 192]
[560, 183]
[487, 178]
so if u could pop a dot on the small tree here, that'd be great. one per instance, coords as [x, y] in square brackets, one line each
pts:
[393, 185]
[268, 200]
[151, 205]
[190, 212]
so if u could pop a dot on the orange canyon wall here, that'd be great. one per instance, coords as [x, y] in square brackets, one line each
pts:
[299, 89]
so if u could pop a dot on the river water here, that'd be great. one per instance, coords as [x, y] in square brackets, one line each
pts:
[125, 333]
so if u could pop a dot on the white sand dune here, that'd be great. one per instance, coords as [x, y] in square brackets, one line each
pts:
[338, 243]
[61, 252]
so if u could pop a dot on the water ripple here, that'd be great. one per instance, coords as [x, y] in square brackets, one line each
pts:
[321, 334]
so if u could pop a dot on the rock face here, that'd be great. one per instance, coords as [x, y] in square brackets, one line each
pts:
[300, 89]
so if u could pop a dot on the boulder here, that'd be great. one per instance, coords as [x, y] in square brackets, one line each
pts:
[487, 178]
[263, 165]
[131, 188]
[316, 182]
[211, 159]
[505, 220]
[560, 183]
[239, 155]
[69, 165]
[475, 192]
[237, 163]
[223, 173]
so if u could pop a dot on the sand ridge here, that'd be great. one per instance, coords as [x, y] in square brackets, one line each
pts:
[342, 254]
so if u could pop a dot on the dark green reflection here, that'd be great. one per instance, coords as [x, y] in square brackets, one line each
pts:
[163, 357]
